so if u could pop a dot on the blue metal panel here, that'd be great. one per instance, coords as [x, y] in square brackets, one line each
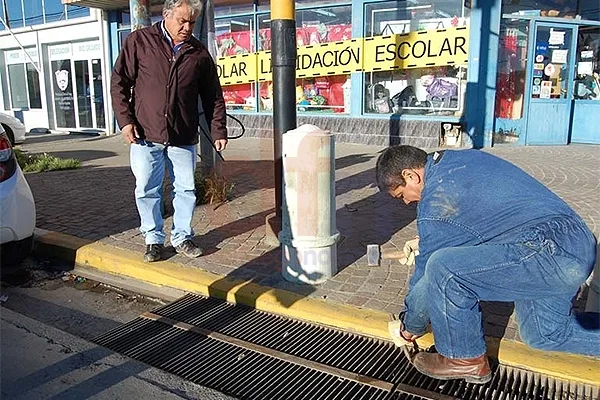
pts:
[113, 26]
[481, 74]
[585, 127]
[548, 120]
[357, 78]
[509, 131]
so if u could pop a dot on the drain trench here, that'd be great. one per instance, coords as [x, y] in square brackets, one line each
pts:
[259, 356]
[366, 380]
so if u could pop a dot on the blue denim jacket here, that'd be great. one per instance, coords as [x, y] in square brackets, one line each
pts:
[472, 197]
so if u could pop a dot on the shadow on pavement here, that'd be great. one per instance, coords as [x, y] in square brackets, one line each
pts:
[52, 137]
[90, 203]
[352, 159]
[81, 155]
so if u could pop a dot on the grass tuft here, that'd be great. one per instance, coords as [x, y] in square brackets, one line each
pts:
[44, 162]
[212, 189]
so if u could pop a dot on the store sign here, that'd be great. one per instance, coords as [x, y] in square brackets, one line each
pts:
[417, 50]
[382, 53]
[60, 52]
[19, 56]
[86, 50]
[237, 69]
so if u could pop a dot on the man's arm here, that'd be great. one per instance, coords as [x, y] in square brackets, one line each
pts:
[122, 82]
[213, 104]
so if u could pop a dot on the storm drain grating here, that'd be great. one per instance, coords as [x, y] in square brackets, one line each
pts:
[256, 355]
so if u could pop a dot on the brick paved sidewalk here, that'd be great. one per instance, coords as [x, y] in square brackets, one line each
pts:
[96, 202]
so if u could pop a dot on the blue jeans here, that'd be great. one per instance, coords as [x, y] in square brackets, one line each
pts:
[540, 270]
[148, 162]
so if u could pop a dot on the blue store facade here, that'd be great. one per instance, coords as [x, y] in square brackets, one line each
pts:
[423, 72]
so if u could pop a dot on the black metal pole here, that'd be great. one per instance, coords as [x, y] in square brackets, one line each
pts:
[283, 61]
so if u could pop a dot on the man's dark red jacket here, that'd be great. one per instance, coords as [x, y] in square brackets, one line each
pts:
[158, 92]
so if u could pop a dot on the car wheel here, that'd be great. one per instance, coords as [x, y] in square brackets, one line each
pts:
[9, 132]
[13, 253]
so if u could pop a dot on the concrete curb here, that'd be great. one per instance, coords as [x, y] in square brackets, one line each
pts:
[167, 279]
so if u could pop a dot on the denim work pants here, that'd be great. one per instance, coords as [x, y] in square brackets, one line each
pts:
[540, 271]
[148, 161]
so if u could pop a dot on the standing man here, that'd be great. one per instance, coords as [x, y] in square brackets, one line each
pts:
[155, 85]
[488, 232]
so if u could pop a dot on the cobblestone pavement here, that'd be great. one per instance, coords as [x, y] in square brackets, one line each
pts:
[96, 202]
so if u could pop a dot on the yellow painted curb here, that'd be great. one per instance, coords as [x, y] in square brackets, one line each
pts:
[112, 260]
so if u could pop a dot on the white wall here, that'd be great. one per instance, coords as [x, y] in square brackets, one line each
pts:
[40, 36]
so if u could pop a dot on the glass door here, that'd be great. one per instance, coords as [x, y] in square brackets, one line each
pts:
[64, 101]
[84, 99]
[586, 88]
[98, 93]
[549, 83]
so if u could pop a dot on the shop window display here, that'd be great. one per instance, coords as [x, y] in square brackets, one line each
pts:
[512, 65]
[320, 94]
[235, 36]
[569, 9]
[587, 75]
[417, 91]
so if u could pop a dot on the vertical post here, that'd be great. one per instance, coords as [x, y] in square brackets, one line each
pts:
[283, 60]
[139, 13]
[205, 32]
[481, 75]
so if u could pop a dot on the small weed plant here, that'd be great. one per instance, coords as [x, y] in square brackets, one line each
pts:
[44, 162]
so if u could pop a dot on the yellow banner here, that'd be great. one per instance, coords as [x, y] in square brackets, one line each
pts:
[334, 58]
[238, 69]
[419, 49]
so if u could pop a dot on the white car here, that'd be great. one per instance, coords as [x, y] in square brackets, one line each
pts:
[17, 208]
[13, 128]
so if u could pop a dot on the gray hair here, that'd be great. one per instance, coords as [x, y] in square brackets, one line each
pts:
[195, 5]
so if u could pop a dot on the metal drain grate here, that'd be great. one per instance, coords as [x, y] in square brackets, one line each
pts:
[255, 355]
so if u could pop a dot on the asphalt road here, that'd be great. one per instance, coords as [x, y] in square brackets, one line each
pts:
[46, 322]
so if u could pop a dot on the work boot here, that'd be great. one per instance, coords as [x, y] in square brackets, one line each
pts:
[473, 370]
[153, 252]
[189, 249]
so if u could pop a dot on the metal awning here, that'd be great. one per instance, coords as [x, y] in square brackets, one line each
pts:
[124, 4]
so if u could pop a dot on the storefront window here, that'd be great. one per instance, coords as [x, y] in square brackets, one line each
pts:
[14, 14]
[222, 11]
[33, 12]
[23, 79]
[235, 36]
[54, 10]
[2, 27]
[33, 86]
[18, 86]
[587, 81]
[323, 93]
[428, 77]
[587, 10]
[77, 12]
[512, 66]
[64, 102]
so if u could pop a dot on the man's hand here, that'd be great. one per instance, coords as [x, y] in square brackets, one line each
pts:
[411, 250]
[130, 133]
[220, 144]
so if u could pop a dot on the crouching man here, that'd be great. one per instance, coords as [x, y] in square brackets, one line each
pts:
[488, 232]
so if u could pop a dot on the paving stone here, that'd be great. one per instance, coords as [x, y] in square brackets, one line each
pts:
[97, 202]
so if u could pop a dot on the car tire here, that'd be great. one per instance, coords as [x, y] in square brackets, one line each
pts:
[9, 132]
[13, 253]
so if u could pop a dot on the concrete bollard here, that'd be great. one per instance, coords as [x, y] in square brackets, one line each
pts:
[309, 234]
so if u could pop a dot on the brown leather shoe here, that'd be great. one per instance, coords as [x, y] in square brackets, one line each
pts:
[473, 370]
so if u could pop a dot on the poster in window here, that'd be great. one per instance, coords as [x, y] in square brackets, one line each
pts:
[64, 104]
